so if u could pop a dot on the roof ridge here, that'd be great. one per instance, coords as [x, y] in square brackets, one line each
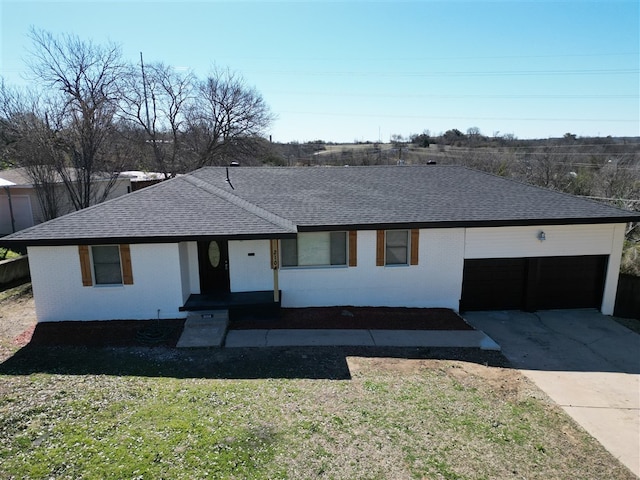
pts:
[239, 202]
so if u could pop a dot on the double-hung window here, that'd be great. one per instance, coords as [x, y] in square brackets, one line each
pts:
[107, 269]
[315, 249]
[397, 247]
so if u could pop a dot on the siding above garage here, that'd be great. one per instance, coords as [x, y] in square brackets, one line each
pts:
[517, 242]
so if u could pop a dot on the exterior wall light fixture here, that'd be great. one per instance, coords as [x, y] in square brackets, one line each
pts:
[541, 236]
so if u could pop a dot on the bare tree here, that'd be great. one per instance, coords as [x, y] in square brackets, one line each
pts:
[225, 119]
[82, 82]
[155, 99]
[26, 141]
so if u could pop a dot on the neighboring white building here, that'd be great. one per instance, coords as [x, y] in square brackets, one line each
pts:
[19, 204]
[401, 236]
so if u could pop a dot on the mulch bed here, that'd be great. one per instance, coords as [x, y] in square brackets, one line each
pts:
[123, 333]
[111, 333]
[373, 318]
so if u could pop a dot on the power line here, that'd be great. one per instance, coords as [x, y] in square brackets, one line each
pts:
[558, 154]
[498, 73]
[431, 117]
[450, 96]
[536, 148]
[413, 59]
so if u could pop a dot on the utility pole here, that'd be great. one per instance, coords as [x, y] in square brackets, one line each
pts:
[144, 89]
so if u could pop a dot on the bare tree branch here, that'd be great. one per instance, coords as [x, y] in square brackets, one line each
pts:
[83, 94]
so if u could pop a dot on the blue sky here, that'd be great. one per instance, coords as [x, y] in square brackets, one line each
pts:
[364, 70]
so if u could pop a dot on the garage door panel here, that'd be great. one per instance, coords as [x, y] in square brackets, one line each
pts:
[490, 284]
[571, 282]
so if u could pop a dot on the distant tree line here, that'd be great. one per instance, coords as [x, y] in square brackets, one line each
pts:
[89, 114]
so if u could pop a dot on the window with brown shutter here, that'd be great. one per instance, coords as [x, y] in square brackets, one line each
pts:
[397, 247]
[105, 265]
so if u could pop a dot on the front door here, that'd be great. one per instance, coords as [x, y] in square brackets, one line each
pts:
[213, 260]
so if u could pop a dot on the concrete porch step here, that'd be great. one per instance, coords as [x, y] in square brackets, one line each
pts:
[204, 329]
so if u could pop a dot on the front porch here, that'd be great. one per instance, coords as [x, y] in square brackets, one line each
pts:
[257, 301]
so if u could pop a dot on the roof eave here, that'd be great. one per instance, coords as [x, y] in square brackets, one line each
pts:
[59, 242]
[471, 223]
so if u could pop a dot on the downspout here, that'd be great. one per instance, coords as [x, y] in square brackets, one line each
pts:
[13, 220]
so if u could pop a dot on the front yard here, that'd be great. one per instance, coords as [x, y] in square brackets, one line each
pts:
[335, 413]
[153, 413]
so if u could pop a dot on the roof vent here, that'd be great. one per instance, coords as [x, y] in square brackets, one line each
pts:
[234, 164]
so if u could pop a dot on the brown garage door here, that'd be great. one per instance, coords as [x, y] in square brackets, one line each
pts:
[533, 283]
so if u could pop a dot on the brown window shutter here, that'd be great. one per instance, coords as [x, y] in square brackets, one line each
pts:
[353, 248]
[380, 248]
[85, 265]
[415, 236]
[125, 258]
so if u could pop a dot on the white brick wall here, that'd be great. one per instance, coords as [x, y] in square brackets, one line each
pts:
[166, 274]
[435, 282]
[59, 294]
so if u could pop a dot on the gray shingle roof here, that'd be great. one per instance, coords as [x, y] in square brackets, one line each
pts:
[277, 202]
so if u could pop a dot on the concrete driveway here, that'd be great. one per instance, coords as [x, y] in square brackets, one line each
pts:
[585, 361]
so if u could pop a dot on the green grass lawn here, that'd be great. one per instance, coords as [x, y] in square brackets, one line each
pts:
[159, 413]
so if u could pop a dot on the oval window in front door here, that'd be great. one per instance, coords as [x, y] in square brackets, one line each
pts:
[214, 254]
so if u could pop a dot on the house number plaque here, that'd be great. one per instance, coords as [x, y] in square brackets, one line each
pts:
[274, 254]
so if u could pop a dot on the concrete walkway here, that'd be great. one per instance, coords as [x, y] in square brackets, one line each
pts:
[368, 338]
[204, 329]
[586, 362]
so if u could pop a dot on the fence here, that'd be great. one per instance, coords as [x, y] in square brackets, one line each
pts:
[628, 297]
[14, 269]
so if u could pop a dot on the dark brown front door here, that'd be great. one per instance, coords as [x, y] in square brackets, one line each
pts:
[213, 260]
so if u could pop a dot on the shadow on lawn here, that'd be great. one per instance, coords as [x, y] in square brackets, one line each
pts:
[232, 363]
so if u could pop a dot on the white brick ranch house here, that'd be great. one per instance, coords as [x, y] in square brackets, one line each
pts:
[403, 236]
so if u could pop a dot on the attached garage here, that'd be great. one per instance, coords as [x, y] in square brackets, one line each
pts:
[534, 283]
